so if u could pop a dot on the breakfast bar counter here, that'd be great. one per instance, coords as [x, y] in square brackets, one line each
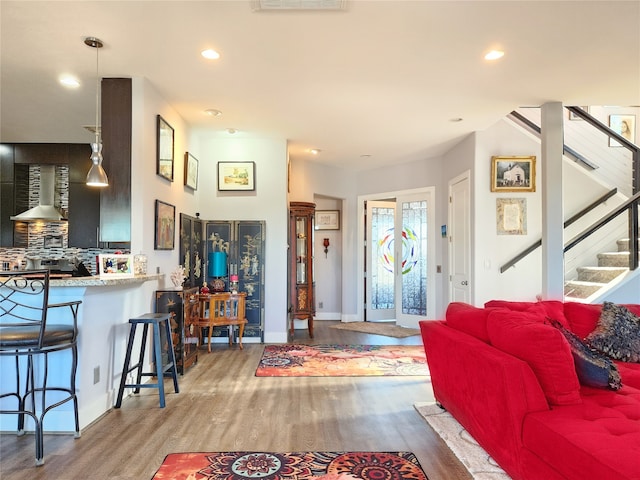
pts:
[103, 323]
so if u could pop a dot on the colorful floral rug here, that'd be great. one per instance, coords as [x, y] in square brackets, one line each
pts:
[342, 361]
[291, 466]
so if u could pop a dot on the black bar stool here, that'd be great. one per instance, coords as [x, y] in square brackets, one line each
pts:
[25, 333]
[145, 320]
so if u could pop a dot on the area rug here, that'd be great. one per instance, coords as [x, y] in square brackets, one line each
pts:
[342, 361]
[378, 328]
[291, 466]
[477, 461]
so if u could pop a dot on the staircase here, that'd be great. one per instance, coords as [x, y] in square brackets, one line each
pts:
[592, 280]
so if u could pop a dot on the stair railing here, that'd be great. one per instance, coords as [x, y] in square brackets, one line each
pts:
[631, 205]
[568, 222]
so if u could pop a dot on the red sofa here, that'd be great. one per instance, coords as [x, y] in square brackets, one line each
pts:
[509, 382]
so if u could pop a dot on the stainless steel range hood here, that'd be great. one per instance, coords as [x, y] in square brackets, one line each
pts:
[45, 211]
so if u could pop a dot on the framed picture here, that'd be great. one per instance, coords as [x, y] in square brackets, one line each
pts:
[513, 174]
[53, 241]
[511, 216]
[327, 220]
[236, 176]
[164, 166]
[165, 226]
[190, 171]
[623, 125]
[115, 266]
[573, 116]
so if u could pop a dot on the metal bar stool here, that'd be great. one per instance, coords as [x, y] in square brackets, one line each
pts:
[153, 319]
[25, 333]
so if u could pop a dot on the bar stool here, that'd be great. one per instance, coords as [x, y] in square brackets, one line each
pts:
[153, 319]
[25, 333]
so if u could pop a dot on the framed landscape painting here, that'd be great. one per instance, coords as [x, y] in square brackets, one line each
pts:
[236, 176]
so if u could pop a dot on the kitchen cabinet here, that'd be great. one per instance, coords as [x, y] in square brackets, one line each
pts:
[301, 283]
[185, 333]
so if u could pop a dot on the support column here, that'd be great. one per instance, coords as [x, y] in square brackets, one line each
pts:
[552, 202]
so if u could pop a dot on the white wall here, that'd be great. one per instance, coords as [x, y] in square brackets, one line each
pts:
[328, 267]
[267, 203]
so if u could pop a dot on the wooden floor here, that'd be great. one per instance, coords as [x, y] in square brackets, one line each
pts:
[222, 406]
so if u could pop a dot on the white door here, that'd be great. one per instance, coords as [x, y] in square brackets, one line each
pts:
[414, 247]
[380, 278]
[459, 239]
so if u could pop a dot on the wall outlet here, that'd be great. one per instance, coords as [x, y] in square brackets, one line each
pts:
[320, 304]
[96, 374]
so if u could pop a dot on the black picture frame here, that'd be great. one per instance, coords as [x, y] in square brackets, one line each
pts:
[165, 146]
[165, 226]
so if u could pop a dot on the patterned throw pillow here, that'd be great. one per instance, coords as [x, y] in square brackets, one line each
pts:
[617, 333]
[593, 368]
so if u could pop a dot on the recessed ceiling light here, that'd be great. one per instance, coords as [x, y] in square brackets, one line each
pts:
[365, 155]
[231, 131]
[69, 81]
[210, 54]
[456, 119]
[213, 112]
[494, 55]
[315, 151]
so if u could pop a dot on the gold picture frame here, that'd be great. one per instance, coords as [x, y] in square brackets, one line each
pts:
[513, 174]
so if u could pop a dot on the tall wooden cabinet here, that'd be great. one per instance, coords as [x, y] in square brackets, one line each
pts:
[301, 283]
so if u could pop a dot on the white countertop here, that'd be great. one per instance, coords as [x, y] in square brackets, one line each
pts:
[97, 281]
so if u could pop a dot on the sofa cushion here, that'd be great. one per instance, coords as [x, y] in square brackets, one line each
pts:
[593, 369]
[526, 336]
[629, 373]
[583, 317]
[617, 333]
[599, 439]
[468, 319]
[551, 308]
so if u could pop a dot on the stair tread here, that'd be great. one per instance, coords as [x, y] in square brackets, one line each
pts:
[584, 283]
[606, 269]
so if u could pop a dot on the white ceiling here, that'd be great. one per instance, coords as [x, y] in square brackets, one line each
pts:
[381, 78]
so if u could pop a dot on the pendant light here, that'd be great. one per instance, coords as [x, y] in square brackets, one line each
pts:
[96, 177]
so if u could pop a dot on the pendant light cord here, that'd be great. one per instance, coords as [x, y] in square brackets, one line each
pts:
[97, 94]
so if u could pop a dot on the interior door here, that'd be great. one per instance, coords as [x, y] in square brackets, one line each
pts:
[414, 246]
[459, 239]
[380, 255]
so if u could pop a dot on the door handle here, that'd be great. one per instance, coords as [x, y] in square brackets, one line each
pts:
[464, 282]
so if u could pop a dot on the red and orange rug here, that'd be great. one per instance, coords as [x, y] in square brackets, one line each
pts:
[291, 466]
[342, 360]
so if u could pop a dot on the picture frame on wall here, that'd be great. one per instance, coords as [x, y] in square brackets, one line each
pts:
[165, 226]
[236, 176]
[513, 174]
[511, 216]
[327, 220]
[165, 144]
[623, 125]
[190, 171]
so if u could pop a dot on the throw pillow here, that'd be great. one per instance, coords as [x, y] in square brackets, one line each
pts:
[593, 368]
[468, 319]
[548, 308]
[617, 333]
[526, 336]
